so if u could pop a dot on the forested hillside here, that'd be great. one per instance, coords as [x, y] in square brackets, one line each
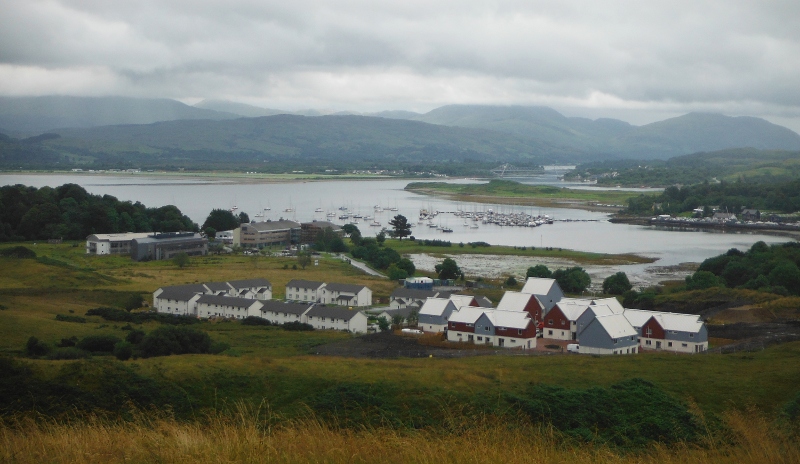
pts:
[747, 164]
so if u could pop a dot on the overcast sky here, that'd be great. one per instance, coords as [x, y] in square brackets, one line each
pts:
[634, 60]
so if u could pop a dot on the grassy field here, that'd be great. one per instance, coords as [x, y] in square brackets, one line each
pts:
[581, 257]
[509, 192]
[277, 372]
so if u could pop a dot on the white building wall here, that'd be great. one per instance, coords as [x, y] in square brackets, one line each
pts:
[557, 334]
[434, 328]
[618, 351]
[176, 308]
[302, 294]
[676, 346]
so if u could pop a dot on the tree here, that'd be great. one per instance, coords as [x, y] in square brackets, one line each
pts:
[511, 281]
[448, 269]
[572, 280]
[211, 233]
[243, 218]
[181, 259]
[221, 219]
[787, 275]
[617, 284]
[134, 301]
[395, 273]
[168, 340]
[540, 270]
[303, 259]
[383, 324]
[701, 280]
[407, 265]
[401, 226]
[413, 317]
[123, 350]
[398, 319]
[381, 237]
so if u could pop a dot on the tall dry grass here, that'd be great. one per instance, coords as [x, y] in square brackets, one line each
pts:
[248, 437]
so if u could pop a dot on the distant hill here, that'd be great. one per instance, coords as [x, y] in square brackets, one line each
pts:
[337, 139]
[612, 138]
[696, 132]
[241, 109]
[40, 114]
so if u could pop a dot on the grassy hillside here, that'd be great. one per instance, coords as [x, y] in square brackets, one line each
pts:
[747, 164]
[268, 397]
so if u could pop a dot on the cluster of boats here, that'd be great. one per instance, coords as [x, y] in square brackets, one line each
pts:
[471, 219]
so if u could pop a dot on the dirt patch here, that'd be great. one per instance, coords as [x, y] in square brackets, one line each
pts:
[753, 336]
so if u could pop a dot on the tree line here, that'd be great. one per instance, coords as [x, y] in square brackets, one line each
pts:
[781, 197]
[71, 213]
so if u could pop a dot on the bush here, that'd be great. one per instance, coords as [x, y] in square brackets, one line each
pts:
[98, 343]
[511, 281]
[168, 340]
[123, 350]
[540, 270]
[135, 336]
[297, 326]
[572, 280]
[219, 347]
[67, 353]
[478, 244]
[68, 342]
[68, 318]
[119, 315]
[631, 413]
[617, 284]
[36, 347]
[255, 320]
[19, 252]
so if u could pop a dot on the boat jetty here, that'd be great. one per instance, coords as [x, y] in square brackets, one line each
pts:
[515, 219]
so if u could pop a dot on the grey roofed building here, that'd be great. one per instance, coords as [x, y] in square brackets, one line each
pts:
[217, 287]
[309, 284]
[274, 306]
[267, 233]
[351, 288]
[249, 283]
[391, 312]
[332, 312]
[484, 302]
[402, 292]
[227, 301]
[166, 245]
[180, 292]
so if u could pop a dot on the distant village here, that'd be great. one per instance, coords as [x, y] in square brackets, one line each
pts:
[538, 311]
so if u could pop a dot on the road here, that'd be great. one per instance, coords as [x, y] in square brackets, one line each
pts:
[361, 266]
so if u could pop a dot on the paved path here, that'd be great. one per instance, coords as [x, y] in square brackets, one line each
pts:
[361, 266]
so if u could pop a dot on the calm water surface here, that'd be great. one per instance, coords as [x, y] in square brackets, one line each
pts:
[573, 229]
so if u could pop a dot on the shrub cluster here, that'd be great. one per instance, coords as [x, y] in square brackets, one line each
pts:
[120, 315]
[630, 413]
[255, 320]
[297, 326]
[168, 340]
[19, 252]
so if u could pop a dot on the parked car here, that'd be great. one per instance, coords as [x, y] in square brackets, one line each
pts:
[573, 348]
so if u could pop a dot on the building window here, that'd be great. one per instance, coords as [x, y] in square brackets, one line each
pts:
[649, 332]
[549, 332]
[480, 339]
[549, 322]
[691, 335]
[684, 345]
[519, 331]
[647, 342]
[669, 344]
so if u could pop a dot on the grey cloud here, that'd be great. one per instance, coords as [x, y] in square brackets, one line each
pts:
[724, 55]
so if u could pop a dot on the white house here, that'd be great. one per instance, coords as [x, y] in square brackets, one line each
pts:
[178, 300]
[255, 289]
[336, 318]
[434, 314]
[346, 295]
[681, 333]
[227, 306]
[403, 297]
[513, 329]
[281, 312]
[304, 290]
[524, 302]
[461, 324]
[547, 290]
[561, 322]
